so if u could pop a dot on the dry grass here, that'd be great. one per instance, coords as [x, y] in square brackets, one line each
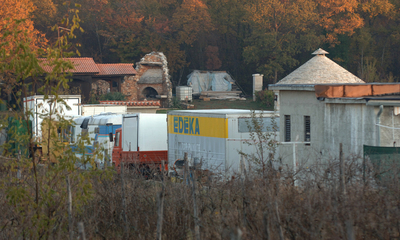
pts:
[254, 207]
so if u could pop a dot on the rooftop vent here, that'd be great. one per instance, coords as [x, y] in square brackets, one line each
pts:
[320, 51]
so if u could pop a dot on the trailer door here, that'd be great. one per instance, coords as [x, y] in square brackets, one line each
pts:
[73, 103]
[130, 133]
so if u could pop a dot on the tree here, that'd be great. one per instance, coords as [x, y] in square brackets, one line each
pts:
[338, 17]
[36, 194]
[281, 29]
[21, 9]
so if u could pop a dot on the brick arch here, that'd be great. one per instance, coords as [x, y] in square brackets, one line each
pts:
[149, 92]
[141, 89]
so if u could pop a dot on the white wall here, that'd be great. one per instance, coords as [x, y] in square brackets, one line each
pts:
[350, 122]
[298, 104]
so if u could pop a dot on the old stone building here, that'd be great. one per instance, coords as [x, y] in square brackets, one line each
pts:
[89, 77]
[152, 80]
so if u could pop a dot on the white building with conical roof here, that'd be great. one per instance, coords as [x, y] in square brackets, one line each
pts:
[320, 70]
[325, 110]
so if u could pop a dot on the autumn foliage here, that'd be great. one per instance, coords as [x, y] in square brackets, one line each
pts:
[12, 10]
[271, 37]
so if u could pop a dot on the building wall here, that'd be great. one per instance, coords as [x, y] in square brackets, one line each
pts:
[100, 87]
[390, 127]
[298, 104]
[129, 88]
[350, 122]
[153, 60]
[353, 125]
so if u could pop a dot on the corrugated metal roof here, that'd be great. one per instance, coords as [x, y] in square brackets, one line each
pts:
[153, 75]
[116, 69]
[320, 70]
[133, 103]
[82, 65]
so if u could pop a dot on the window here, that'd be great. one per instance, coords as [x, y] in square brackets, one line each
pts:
[85, 123]
[117, 135]
[287, 128]
[307, 129]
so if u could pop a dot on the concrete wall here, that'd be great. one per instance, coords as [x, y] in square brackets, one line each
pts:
[353, 125]
[333, 121]
[298, 104]
[390, 127]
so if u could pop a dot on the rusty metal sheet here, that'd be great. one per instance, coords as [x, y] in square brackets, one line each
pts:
[328, 91]
[353, 91]
[385, 89]
[357, 90]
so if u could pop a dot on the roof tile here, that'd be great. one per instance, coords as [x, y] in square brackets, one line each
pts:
[116, 69]
[88, 66]
[82, 65]
[133, 103]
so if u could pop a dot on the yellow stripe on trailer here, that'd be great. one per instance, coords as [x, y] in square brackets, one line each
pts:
[198, 126]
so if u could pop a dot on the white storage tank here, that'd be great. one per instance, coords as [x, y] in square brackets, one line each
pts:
[184, 93]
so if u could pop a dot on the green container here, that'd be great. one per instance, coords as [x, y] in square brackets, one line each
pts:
[3, 106]
[18, 137]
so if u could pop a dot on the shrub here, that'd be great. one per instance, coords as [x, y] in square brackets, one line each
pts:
[113, 96]
[265, 98]
[176, 103]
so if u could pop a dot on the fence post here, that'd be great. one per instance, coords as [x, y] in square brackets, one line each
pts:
[70, 227]
[186, 168]
[342, 172]
[195, 215]
[81, 230]
[160, 210]
[124, 201]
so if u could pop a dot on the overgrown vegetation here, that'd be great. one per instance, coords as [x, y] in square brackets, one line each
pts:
[251, 206]
[176, 103]
[46, 196]
[113, 96]
[361, 36]
[40, 181]
[265, 98]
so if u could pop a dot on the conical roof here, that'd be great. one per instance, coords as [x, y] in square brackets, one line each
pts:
[320, 70]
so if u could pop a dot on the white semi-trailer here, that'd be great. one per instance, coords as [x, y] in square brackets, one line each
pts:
[41, 108]
[213, 138]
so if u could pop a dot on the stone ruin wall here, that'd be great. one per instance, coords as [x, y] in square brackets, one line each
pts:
[129, 88]
[134, 90]
[100, 87]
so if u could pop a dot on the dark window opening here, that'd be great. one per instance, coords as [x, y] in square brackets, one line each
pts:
[287, 128]
[117, 135]
[307, 129]
[150, 93]
[85, 123]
